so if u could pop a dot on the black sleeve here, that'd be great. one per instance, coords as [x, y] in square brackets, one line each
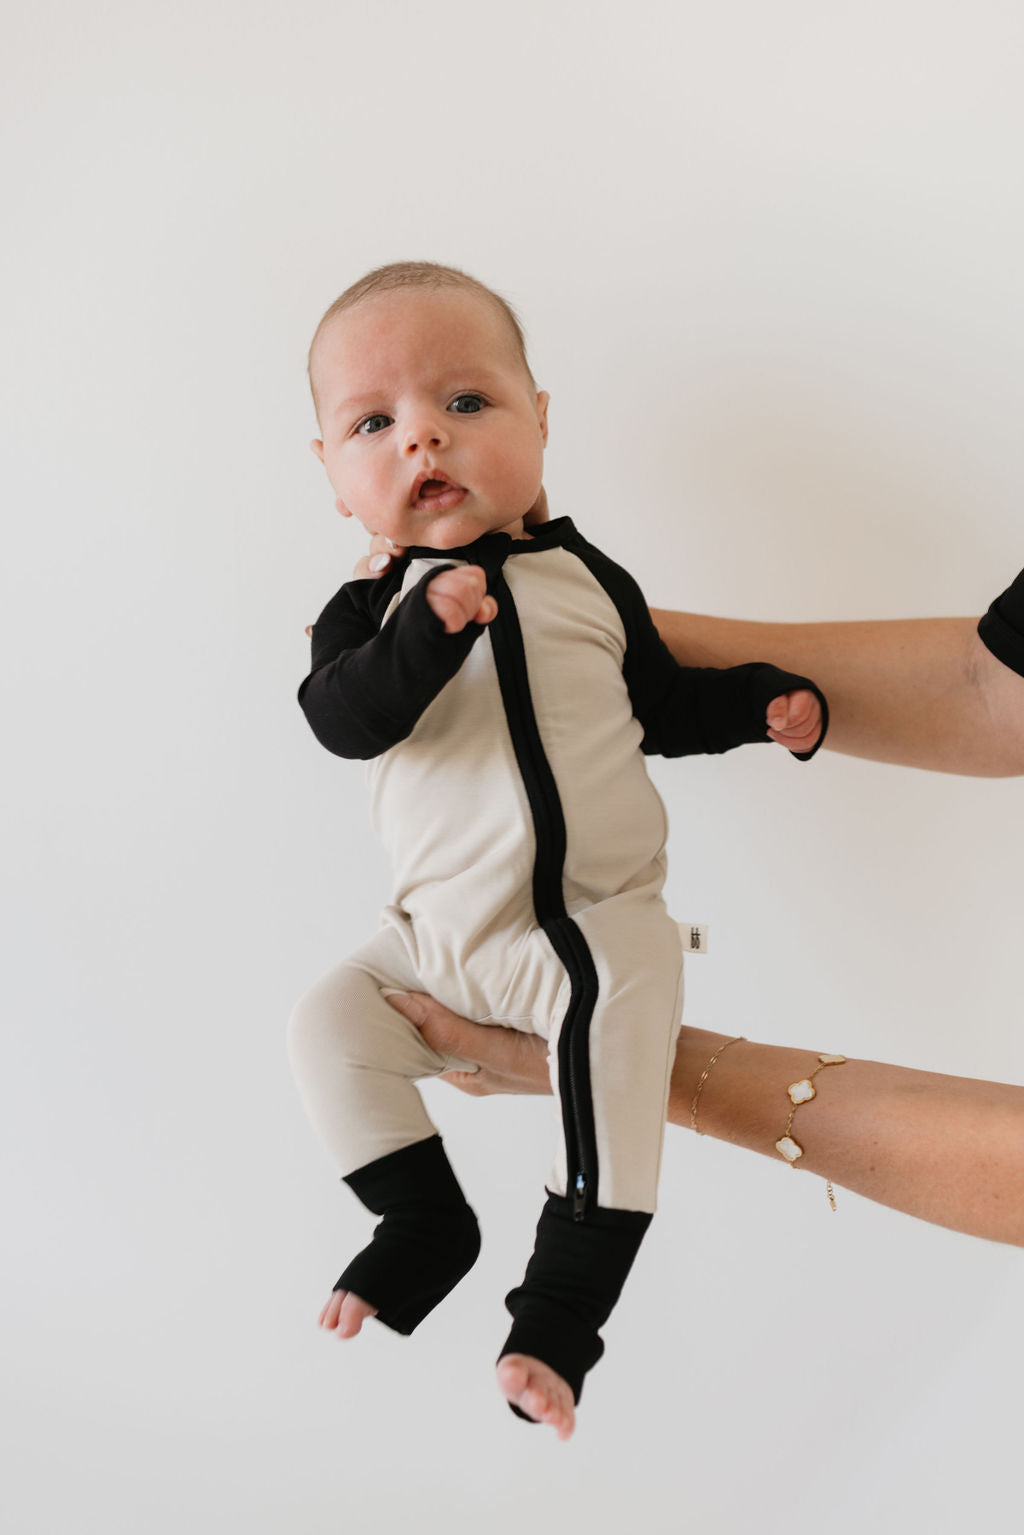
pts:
[369, 684]
[1002, 627]
[686, 710]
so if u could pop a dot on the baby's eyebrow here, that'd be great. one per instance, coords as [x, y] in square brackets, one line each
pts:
[467, 378]
[354, 403]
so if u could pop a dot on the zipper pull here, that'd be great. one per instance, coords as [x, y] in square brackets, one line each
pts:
[579, 1197]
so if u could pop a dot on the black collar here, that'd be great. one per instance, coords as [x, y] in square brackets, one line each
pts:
[494, 548]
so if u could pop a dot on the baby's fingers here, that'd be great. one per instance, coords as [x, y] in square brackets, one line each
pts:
[791, 711]
[794, 719]
[456, 596]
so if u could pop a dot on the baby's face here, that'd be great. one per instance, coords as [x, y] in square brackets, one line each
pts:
[433, 432]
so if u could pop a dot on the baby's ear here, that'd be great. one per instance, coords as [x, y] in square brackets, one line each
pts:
[542, 414]
[318, 448]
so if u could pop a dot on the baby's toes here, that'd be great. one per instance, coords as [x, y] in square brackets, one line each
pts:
[331, 1312]
[538, 1391]
[551, 1408]
[354, 1312]
[537, 1403]
[513, 1378]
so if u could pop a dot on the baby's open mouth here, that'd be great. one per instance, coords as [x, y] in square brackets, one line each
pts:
[437, 492]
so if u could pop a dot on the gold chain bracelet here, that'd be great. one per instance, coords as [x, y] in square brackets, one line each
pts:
[703, 1078]
[802, 1092]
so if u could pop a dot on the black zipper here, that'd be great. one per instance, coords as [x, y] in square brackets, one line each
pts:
[548, 899]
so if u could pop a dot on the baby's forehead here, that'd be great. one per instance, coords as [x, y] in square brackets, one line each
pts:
[388, 332]
[463, 317]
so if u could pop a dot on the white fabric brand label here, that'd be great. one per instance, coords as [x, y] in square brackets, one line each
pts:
[694, 936]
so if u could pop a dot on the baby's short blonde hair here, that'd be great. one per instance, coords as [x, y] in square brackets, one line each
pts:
[418, 274]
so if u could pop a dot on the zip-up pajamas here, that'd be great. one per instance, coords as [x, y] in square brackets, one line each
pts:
[507, 778]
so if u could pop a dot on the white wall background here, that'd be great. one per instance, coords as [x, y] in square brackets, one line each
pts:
[769, 258]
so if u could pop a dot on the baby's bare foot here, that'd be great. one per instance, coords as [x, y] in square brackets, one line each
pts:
[345, 1313]
[537, 1390]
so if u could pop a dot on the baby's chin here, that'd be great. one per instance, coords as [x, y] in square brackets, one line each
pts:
[454, 532]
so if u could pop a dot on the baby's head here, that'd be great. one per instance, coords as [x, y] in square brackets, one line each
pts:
[433, 428]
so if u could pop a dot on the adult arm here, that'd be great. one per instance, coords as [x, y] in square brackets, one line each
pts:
[949, 1150]
[922, 692]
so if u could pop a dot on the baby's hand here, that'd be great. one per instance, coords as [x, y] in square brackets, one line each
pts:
[459, 597]
[794, 720]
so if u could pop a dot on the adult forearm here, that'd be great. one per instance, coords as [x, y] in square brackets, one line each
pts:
[919, 692]
[949, 1150]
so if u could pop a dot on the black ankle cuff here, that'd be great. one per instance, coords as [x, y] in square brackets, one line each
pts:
[571, 1283]
[428, 1240]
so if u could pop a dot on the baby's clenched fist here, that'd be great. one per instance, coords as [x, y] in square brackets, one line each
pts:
[794, 720]
[459, 597]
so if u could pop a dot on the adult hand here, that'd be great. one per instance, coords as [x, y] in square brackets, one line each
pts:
[508, 1061]
[886, 1132]
[378, 561]
[374, 564]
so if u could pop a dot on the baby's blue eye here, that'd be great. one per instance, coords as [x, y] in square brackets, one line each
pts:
[467, 404]
[374, 424]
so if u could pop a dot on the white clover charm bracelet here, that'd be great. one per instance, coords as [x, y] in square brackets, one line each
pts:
[802, 1092]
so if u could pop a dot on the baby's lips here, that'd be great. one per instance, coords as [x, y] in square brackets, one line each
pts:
[427, 477]
[429, 484]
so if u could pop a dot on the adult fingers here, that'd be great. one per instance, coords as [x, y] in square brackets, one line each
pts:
[475, 1084]
[382, 555]
[513, 1062]
[443, 1030]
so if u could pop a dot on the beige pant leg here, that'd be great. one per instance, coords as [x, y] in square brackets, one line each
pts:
[356, 1060]
[638, 955]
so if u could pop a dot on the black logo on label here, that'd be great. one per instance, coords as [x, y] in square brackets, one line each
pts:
[695, 938]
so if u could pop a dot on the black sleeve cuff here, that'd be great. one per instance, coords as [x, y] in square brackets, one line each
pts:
[715, 709]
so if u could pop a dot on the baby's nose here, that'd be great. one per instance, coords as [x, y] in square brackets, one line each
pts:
[424, 434]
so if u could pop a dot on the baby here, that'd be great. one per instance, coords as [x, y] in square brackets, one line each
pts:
[503, 684]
